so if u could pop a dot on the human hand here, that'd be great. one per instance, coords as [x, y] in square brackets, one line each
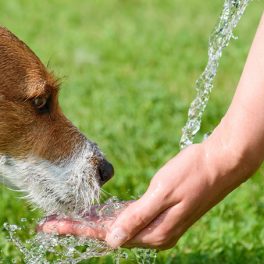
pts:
[179, 194]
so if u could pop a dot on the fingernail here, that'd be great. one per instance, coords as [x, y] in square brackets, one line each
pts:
[116, 238]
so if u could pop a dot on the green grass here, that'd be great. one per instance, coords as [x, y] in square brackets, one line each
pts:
[128, 68]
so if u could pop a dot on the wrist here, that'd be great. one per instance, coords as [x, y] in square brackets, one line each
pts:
[229, 157]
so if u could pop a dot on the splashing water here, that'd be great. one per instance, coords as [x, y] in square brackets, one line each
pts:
[62, 250]
[45, 248]
[219, 39]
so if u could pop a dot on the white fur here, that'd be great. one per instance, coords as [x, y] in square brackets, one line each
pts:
[70, 186]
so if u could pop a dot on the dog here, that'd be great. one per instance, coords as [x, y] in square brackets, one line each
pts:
[41, 152]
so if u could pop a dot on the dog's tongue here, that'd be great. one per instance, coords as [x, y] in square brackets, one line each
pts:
[94, 224]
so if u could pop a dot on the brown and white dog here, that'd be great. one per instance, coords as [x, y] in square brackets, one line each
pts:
[41, 152]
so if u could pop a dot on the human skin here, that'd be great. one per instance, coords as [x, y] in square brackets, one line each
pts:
[198, 178]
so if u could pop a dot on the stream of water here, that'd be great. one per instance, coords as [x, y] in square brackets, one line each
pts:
[44, 249]
[218, 40]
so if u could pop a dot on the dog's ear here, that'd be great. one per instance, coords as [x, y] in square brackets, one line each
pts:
[16, 63]
[8, 41]
[20, 68]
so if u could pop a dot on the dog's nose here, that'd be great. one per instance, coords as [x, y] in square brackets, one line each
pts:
[106, 171]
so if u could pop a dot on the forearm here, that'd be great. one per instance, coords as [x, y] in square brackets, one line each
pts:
[237, 144]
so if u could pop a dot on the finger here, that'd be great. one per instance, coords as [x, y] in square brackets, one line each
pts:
[167, 228]
[135, 217]
[163, 232]
[96, 229]
[53, 223]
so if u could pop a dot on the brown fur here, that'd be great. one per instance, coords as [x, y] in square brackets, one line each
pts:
[24, 131]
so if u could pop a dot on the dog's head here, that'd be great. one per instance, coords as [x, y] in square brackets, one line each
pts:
[41, 152]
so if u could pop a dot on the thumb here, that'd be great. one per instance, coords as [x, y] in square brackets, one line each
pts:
[135, 217]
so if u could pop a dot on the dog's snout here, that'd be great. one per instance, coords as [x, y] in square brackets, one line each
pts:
[106, 171]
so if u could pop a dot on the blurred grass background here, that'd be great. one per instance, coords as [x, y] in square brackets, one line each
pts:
[128, 70]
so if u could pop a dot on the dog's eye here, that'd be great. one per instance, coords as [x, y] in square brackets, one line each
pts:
[41, 104]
